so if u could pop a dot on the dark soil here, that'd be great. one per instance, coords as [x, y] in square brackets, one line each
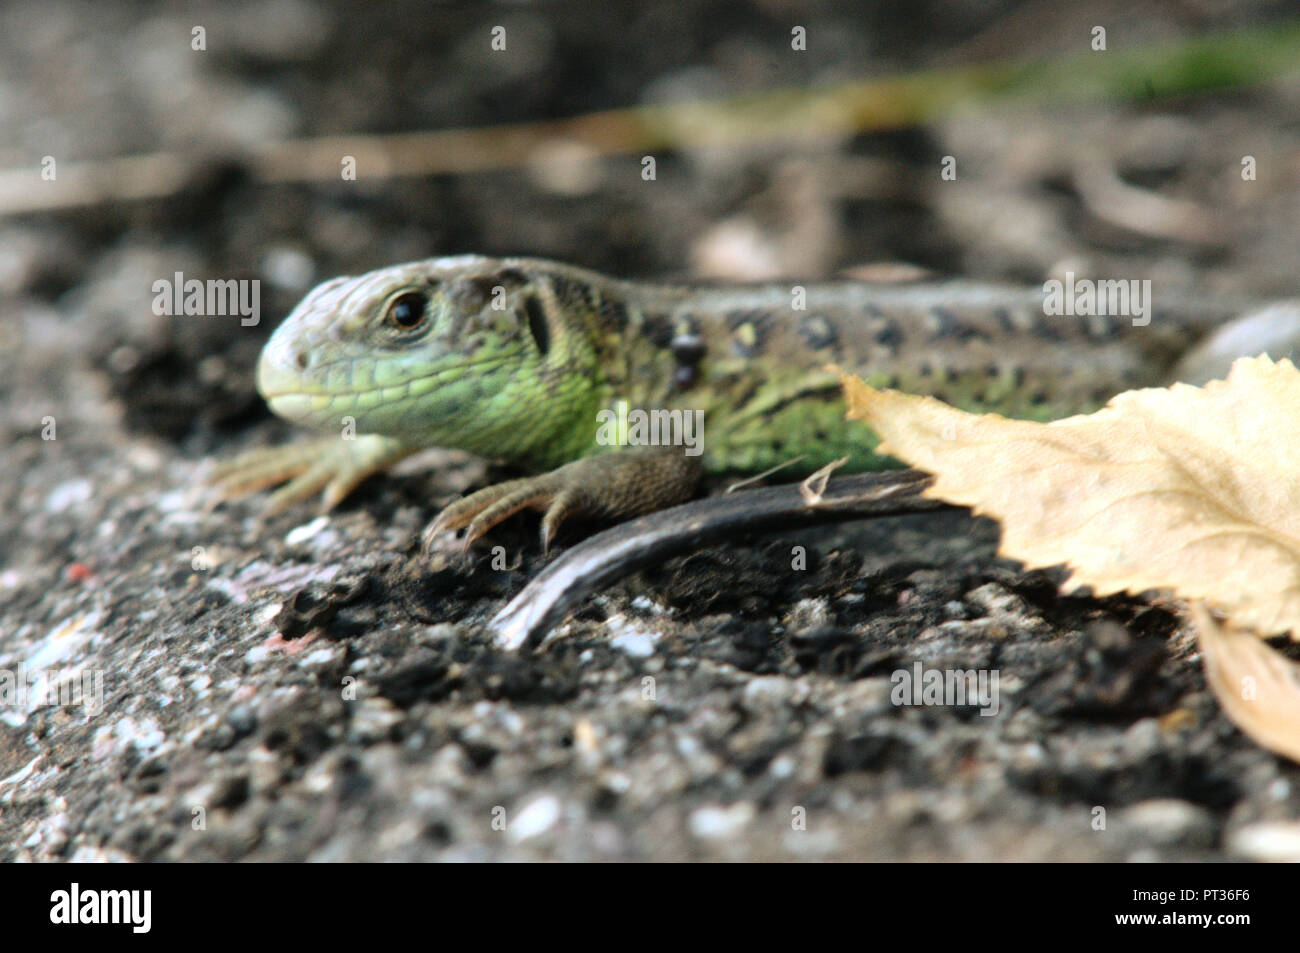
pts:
[290, 689]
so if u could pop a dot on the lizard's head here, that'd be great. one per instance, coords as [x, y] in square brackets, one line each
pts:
[476, 353]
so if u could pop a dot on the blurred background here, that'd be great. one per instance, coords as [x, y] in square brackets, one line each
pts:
[788, 139]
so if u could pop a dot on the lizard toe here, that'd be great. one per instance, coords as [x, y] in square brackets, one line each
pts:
[533, 495]
[462, 512]
[562, 507]
[299, 488]
[259, 469]
[481, 511]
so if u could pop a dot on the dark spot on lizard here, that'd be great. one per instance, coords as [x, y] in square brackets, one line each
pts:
[572, 293]
[688, 349]
[951, 326]
[817, 332]
[657, 329]
[613, 315]
[509, 277]
[685, 377]
[1046, 328]
[470, 293]
[537, 326]
[889, 336]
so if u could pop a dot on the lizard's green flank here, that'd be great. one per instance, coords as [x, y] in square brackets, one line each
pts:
[524, 360]
[513, 359]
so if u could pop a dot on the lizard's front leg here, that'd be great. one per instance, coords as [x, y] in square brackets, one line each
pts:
[616, 485]
[332, 465]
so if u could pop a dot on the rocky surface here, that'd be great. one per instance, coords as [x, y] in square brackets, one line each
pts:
[300, 687]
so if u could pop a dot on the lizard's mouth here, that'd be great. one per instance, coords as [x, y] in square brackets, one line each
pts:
[288, 390]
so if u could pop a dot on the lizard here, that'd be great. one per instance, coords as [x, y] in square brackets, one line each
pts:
[527, 360]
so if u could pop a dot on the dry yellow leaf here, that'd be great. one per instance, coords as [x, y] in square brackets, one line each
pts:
[1194, 490]
[1258, 687]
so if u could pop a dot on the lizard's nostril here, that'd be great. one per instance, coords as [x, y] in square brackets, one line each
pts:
[284, 366]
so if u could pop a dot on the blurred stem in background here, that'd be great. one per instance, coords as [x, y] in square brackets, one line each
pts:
[1155, 72]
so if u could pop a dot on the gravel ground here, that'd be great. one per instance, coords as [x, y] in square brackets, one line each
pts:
[304, 688]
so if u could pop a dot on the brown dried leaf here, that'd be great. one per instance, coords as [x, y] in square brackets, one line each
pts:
[1258, 686]
[1189, 489]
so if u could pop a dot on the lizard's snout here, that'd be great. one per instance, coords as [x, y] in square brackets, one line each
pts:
[284, 379]
[281, 367]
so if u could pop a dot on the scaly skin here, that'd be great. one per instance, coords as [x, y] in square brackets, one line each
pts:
[513, 359]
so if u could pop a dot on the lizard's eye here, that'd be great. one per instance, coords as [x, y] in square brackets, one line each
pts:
[406, 311]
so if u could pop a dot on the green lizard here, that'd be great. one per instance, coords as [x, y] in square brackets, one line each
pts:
[515, 359]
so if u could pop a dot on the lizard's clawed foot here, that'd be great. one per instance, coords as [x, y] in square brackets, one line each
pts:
[614, 485]
[491, 505]
[333, 465]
